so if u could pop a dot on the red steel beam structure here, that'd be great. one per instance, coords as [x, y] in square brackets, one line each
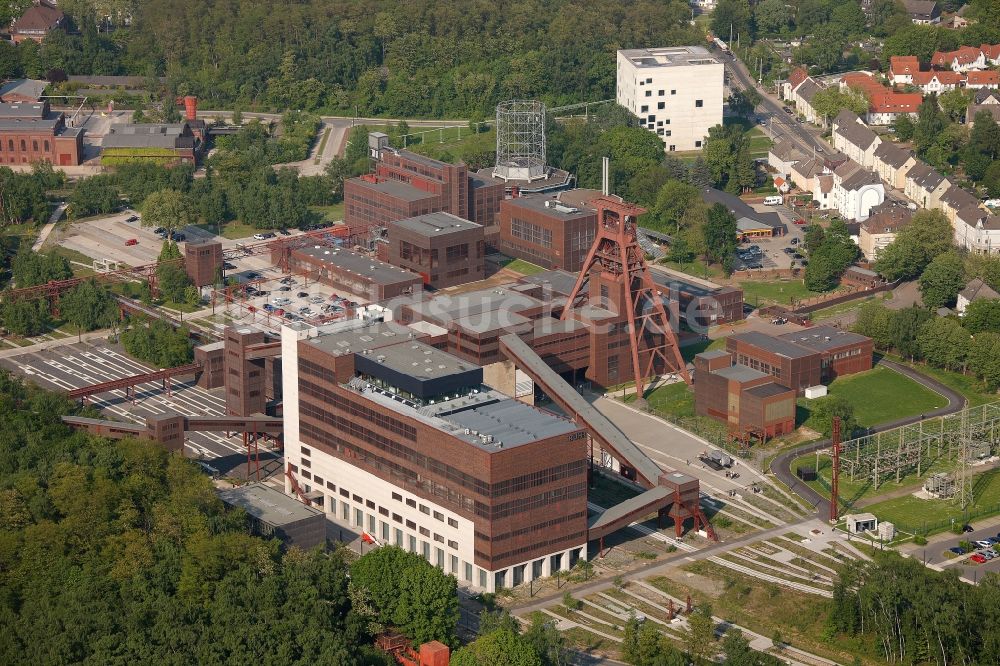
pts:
[127, 383]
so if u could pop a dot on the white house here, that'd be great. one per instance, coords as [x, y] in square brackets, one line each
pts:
[803, 96]
[856, 191]
[978, 231]
[937, 82]
[902, 69]
[783, 154]
[974, 291]
[963, 59]
[955, 199]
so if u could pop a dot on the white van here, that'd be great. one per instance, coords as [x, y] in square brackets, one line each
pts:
[775, 200]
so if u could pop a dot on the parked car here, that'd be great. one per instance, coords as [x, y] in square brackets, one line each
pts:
[178, 237]
[958, 550]
[132, 218]
[284, 288]
[281, 300]
[786, 110]
[992, 203]
[259, 237]
[967, 528]
[988, 554]
[132, 241]
[982, 543]
[316, 299]
[794, 241]
[284, 232]
[268, 307]
[800, 222]
[978, 559]
[228, 266]
[159, 230]
[279, 312]
[303, 294]
[253, 275]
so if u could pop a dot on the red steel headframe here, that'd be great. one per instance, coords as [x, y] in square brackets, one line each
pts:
[616, 252]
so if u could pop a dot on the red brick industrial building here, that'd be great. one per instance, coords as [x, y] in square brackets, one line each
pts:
[34, 133]
[806, 358]
[547, 232]
[404, 184]
[352, 273]
[750, 402]
[444, 249]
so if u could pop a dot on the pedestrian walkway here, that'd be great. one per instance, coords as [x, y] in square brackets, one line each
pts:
[47, 229]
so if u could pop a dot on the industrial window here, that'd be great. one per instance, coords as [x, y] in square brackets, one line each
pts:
[318, 480]
[344, 492]
[468, 572]
[357, 498]
[439, 556]
[411, 502]
[482, 578]
[330, 485]
[651, 118]
[410, 524]
[385, 531]
[424, 532]
[649, 80]
[425, 550]
[398, 518]
[649, 93]
[24, 146]
[453, 544]
[34, 145]
[661, 105]
[438, 515]
[397, 497]
[370, 504]
[644, 108]
[424, 509]
[333, 507]
[398, 534]
[371, 524]
[457, 252]
[454, 565]
[697, 144]
[667, 133]
[673, 92]
[672, 148]
[699, 103]
[383, 511]
[306, 475]
[661, 93]
[413, 544]
[359, 517]
[305, 450]
[46, 143]
[452, 522]
[306, 462]
[532, 233]
[660, 131]
[10, 144]
[345, 511]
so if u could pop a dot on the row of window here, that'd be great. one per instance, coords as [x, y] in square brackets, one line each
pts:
[354, 409]
[24, 145]
[531, 233]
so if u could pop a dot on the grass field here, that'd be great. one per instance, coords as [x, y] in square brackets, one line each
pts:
[695, 268]
[912, 513]
[674, 400]
[782, 292]
[759, 143]
[523, 267]
[876, 394]
[688, 352]
[334, 213]
[964, 384]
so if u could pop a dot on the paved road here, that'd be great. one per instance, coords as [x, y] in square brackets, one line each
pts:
[781, 466]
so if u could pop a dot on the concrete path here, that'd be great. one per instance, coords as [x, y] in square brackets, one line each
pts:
[781, 465]
[51, 344]
[47, 229]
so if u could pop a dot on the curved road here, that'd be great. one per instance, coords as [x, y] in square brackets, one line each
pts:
[781, 466]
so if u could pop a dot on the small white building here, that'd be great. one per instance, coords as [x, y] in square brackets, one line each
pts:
[853, 138]
[974, 291]
[676, 92]
[856, 191]
[859, 523]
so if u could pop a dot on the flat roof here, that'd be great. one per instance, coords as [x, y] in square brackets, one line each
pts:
[369, 268]
[739, 373]
[548, 205]
[451, 307]
[360, 336]
[768, 390]
[775, 345]
[672, 56]
[715, 353]
[419, 360]
[267, 504]
[27, 124]
[434, 224]
[396, 189]
[562, 282]
[491, 320]
[823, 338]
[687, 284]
[511, 422]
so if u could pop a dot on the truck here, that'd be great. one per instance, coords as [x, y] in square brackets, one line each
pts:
[716, 459]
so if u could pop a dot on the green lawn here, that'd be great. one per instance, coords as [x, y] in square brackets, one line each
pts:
[881, 395]
[964, 384]
[696, 268]
[334, 213]
[912, 513]
[523, 267]
[782, 292]
[692, 350]
[674, 400]
[454, 143]
[759, 143]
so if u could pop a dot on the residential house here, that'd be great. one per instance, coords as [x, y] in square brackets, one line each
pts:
[823, 191]
[978, 231]
[803, 96]
[794, 80]
[902, 69]
[36, 22]
[988, 78]
[956, 199]
[963, 59]
[991, 52]
[856, 190]
[975, 290]
[783, 154]
[938, 82]
[923, 12]
[892, 163]
[804, 172]
[880, 229]
[956, 22]
[853, 138]
[925, 186]
[886, 107]
[986, 99]
[782, 185]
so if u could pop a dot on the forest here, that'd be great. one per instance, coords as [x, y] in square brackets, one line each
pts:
[402, 58]
[117, 552]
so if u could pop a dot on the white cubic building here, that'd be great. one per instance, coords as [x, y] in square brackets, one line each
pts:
[676, 92]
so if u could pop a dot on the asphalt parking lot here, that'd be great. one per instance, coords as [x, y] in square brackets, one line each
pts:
[773, 255]
[935, 553]
[108, 238]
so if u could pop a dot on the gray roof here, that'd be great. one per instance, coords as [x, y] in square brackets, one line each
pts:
[739, 373]
[511, 422]
[561, 282]
[775, 345]
[860, 178]
[891, 154]
[844, 117]
[978, 289]
[434, 224]
[738, 207]
[553, 209]
[25, 87]
[925, 176]
[809, 168]
[419, 360]
[857, 134]
[148, 135]
[983, 94]
[23, 110]
[371, 269]
[673, 56]
[29, 124]
[922, 8]
[622, 509]
[267, 504]
[786, 150]
[396, 189]
[975, 109]
[959, 198]
[715, 353]
[768, 390]
[808, 90]
[823, 338]
[358, 336]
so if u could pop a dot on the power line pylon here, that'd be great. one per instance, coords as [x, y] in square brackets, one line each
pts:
[616, 259]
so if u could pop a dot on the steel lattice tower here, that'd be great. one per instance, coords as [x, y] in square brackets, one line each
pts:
[616, 256]
[520, 140]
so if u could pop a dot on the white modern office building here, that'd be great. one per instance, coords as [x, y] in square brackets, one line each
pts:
[676, 92]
